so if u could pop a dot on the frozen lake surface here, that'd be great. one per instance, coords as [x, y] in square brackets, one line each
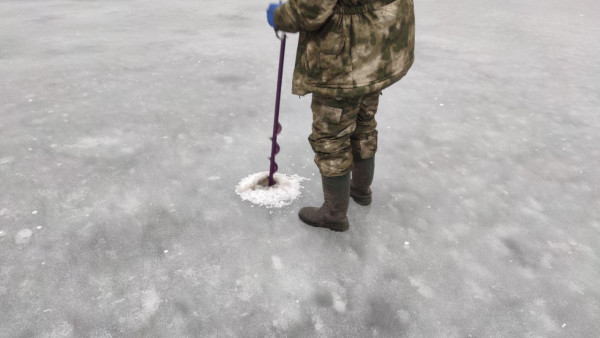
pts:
[126, 125]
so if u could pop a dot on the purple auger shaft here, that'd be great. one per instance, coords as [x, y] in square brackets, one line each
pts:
[276, 126]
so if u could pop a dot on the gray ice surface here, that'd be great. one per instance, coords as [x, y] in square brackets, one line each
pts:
[125, 126]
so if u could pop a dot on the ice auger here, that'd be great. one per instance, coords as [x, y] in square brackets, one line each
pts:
[276, 125]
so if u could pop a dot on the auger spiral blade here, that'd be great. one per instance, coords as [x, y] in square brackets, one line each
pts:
[274, 166]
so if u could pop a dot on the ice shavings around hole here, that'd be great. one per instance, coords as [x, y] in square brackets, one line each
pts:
[281, 194]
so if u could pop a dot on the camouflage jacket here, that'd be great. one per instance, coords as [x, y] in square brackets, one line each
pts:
[349, 47]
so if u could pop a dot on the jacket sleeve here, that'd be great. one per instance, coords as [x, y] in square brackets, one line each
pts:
[303, 15]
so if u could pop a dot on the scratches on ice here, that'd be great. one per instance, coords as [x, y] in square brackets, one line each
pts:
[93, 142]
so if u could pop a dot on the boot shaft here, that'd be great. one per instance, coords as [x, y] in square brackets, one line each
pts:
[362, 178]
[336, 193]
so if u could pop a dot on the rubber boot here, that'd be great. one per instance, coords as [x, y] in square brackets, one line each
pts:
[362, 177]
[332, 214]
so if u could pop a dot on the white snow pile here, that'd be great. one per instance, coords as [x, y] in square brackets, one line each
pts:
[285, 190]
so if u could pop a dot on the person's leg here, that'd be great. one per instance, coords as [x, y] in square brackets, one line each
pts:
[364, 147]
[333, 123]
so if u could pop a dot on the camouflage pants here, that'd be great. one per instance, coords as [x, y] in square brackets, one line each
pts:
[343, 130]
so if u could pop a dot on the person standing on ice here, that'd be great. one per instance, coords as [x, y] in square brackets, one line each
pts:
[348, 52]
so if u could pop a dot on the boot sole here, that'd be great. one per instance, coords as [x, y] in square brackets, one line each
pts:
[335, 227]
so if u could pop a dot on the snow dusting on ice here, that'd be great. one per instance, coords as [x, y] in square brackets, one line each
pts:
[281, 194]
[23, 236]
[276, 262]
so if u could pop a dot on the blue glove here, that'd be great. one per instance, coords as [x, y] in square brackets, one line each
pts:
[271, 14]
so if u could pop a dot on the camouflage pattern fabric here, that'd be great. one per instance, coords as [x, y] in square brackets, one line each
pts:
[343, 130]
[349, 48]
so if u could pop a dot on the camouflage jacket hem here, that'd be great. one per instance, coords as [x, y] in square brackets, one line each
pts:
[349, 47]
[349, 90]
